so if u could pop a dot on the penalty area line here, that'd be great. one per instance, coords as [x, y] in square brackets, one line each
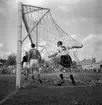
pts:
[8, 96]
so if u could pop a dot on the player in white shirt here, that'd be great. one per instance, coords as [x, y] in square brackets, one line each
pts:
[66, 61]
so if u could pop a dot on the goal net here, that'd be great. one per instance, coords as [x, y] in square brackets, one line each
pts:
[40, 28]
[43, 30]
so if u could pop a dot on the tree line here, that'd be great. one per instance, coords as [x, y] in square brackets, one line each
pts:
[11, 60]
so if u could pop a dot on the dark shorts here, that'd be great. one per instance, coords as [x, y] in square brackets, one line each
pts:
[66, 61]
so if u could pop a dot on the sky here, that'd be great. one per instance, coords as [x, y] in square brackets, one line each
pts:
[82, 19]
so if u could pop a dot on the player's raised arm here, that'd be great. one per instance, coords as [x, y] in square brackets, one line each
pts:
[72, 47]
[53, 55]
[77, 46]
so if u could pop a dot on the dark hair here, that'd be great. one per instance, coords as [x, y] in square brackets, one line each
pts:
[32, 45]
[26, 52]
[59, 43]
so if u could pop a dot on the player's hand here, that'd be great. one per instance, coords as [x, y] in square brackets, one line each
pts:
[49, 56]
[81, 46]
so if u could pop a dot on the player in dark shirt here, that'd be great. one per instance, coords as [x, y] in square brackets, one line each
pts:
[25, 64]
[34, 58]
[24, 59]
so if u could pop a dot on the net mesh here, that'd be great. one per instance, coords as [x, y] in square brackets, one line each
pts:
[49, 33]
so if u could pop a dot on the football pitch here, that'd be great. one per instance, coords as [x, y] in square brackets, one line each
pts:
[38, 95]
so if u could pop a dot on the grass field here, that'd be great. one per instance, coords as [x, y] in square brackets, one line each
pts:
[51, 96]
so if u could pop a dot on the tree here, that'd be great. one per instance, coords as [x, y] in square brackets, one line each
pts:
[11, 59]
[3, 61]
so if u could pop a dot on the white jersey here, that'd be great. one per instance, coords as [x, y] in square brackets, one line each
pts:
[63, 50]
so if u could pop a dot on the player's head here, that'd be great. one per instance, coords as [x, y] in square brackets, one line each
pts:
[33, 45]
[26, 53]
[59, 43]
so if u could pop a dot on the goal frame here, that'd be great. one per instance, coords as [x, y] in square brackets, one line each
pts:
[19, 46]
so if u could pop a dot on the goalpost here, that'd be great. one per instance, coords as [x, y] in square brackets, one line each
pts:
[21, 18]
[19, 46]
[19, 43]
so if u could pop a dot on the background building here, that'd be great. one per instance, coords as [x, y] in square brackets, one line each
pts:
[91, 65]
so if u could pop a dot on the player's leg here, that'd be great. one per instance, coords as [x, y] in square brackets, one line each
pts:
[24, 68]
[27, 70]
[72, 79]
[39, 71]
[70, 70]
[61, 68]
[32, 74]
[25, 73]
[32, 70]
